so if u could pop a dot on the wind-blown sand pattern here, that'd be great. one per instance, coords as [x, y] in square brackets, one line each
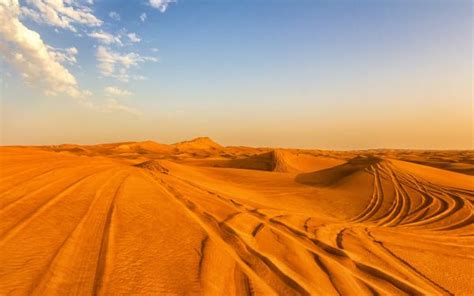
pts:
[198, 218]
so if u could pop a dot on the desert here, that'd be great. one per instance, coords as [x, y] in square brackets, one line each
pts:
[236, 147]
[198, 218]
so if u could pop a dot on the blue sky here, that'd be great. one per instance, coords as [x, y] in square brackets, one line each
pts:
[328, 74]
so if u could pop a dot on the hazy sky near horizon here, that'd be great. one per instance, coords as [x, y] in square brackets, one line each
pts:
[322, 74]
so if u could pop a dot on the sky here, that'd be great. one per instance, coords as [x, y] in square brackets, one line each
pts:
[285, 73]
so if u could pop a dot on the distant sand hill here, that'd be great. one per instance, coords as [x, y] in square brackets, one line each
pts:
[196, 217]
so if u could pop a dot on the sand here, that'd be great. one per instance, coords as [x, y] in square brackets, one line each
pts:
[193, 218]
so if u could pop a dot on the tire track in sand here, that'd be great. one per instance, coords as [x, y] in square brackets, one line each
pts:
[364, 272]
[72, 267]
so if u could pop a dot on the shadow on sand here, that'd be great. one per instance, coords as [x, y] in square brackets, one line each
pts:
[328, 177]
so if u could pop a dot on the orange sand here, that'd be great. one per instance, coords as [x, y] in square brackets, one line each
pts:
[198, 218]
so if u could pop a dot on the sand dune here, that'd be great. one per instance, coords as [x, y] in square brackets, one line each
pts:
[198, 218]
[201, 143]
[283, 161]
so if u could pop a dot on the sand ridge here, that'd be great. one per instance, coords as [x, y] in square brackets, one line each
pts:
[199, 218]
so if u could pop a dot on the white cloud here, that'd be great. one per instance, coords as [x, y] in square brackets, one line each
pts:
[143, 17]
[66, 55]
[114, 64]
[114, 105]
[105, 38]
[43, 65]
[161, 5]
[114, 91]
[114, 15]
[133, 37]
[59, 13]
[36, 61]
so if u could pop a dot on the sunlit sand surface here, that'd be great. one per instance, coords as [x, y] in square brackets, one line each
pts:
[198, 218]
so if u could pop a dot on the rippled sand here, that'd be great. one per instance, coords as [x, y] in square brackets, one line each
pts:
[197, 218]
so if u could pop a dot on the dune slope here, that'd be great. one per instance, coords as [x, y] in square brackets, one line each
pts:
[306, 225]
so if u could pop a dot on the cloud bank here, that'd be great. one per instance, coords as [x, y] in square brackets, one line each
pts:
[46, 66]
[25, 50]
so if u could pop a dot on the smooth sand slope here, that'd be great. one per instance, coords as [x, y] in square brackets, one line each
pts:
[197, 218]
